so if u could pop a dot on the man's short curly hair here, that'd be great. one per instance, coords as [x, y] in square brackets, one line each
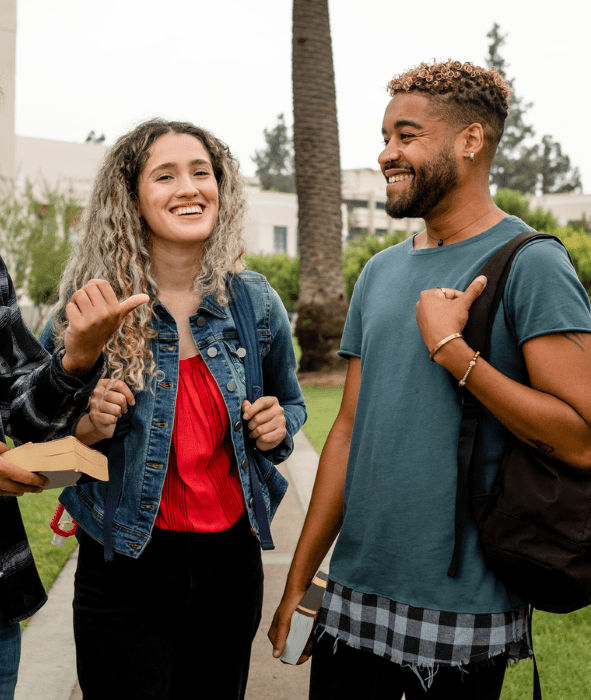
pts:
[463, 93]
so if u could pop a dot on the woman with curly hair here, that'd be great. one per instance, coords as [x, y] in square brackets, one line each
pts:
[170, 592]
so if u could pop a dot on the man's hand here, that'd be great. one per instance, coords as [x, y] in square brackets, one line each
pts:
[94, 314]
[441, 312]
[281, 624]
[266, 421]
[106, 407]
[15, 481]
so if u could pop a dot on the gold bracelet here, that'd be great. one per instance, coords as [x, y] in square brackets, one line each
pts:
[470, 366]
[439, 345]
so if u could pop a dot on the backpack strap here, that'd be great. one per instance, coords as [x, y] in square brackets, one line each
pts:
[116, 456]
[246, 326]
[477, 333]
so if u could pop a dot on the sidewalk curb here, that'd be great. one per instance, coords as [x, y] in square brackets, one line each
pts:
[48, 659]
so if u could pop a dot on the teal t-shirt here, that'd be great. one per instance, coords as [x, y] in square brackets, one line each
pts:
[398, 531]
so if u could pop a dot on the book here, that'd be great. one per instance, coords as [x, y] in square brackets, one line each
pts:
[62, 461]
[303, 618]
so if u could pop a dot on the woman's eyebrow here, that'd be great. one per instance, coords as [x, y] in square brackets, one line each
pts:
[168, 166]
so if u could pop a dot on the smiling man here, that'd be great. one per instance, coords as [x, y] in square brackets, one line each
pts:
[392, 620]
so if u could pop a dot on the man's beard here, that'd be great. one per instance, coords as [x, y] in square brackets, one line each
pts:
[430, 184]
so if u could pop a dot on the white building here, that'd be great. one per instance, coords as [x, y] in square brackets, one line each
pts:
[364, 194]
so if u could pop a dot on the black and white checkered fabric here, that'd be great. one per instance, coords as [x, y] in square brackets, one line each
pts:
[418, 637]
[37, 398]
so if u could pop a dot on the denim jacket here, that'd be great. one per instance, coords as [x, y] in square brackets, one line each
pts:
[148, 443]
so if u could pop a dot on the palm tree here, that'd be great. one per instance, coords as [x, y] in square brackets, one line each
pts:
[322, 305]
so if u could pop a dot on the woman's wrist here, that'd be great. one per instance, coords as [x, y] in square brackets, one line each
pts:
[86, 432]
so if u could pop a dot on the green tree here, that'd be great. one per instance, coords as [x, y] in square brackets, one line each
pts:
[521, 164]
[275, 164]
[34, 235]
[323, 305]
[555, 169]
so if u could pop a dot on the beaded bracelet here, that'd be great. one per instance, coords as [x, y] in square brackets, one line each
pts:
[470, 366]
[439, 345]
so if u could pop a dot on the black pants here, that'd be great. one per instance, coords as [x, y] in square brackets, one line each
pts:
[353, 674]
[172, 624]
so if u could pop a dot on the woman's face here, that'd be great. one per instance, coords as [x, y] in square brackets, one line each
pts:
[178, 193]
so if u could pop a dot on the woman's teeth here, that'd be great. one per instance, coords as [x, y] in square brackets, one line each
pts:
[188, 210]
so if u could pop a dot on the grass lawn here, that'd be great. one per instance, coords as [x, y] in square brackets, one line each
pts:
[37, 511]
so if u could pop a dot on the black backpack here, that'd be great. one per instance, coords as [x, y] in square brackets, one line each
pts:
[535, 524]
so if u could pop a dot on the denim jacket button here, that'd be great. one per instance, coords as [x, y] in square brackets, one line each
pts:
[241, 352]
[244, 465]
[238, 425]
[212, 352]
[201, 321]
[231, 386]
[251, 502]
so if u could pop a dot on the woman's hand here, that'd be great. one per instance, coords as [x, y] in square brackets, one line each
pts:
[107, 405]
[441, 312]
[94, 314]
[266, 421]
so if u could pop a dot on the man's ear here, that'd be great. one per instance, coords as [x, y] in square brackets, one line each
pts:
[472, 141]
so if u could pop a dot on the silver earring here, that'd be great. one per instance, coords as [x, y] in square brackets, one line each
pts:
[471, 157]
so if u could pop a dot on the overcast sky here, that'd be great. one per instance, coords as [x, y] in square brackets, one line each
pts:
[226, 65]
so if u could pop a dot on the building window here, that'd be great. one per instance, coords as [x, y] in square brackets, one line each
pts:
[280, 239]
[355, 204]
[380, 205]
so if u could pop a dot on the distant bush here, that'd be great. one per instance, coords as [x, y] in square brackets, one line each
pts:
[515, 203]
[358, 252]
[578, 244]
[283, 274]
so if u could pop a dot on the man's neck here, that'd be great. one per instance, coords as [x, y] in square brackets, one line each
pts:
[459, 221]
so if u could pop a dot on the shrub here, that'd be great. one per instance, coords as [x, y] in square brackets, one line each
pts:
[578, 244]
[515, 203]
[283, 274]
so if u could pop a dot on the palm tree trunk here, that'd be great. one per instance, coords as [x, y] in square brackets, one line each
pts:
[322, 305]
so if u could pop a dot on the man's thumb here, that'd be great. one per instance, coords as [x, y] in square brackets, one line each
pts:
[474, 290]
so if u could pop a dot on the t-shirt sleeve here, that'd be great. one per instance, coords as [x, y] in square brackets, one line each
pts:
[352, 335]
[543, 294]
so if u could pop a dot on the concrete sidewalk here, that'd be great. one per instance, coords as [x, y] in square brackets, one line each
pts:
[48, 670]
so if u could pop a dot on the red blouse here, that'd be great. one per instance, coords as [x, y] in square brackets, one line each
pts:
[202, 491]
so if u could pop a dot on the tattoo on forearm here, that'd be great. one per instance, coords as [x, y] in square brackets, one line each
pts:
[541, 446]
[576, 338]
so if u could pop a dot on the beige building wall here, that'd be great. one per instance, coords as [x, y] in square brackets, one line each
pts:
[7, 86]
[71, 167]
[369, 186]
[571, 206]
[271, 219]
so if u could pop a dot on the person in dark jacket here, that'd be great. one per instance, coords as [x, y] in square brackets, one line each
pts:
[40, 394]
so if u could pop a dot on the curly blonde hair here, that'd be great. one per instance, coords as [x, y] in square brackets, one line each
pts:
[114, 244]
[462, 93]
